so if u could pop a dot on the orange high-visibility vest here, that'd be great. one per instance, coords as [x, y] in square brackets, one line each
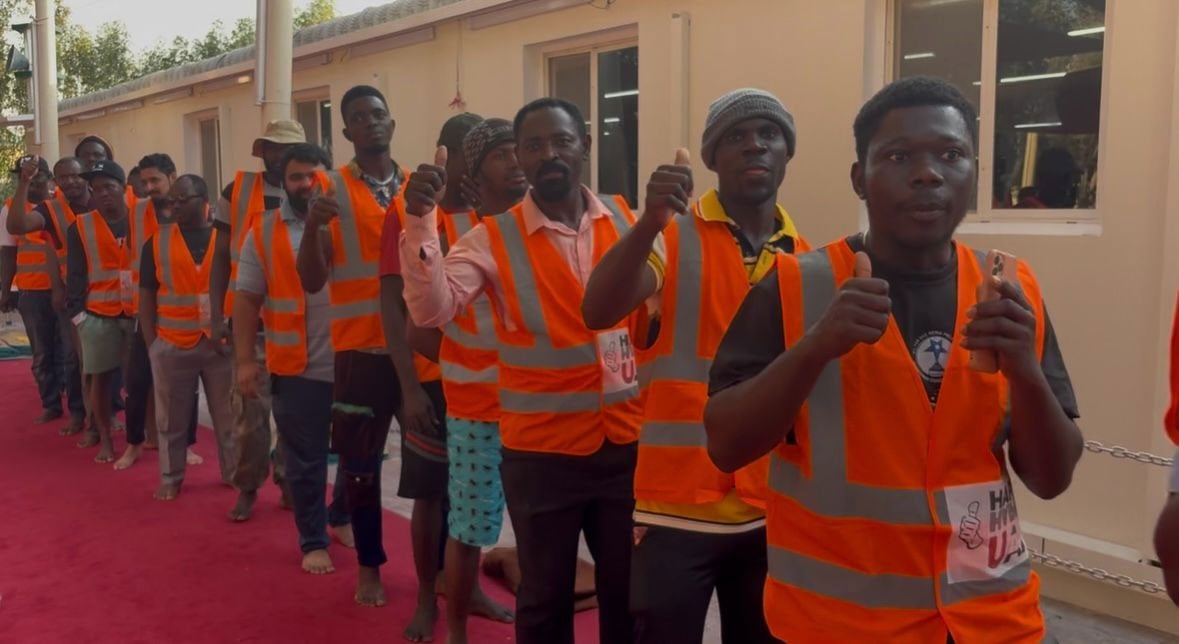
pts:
[62, 217]
[554, 394]
[890, 520]
[32, 257]
[284, 311]
[704, 285]
[246, 205]
[113, 265]
[354, 283]
[468, 355]
[182, 304]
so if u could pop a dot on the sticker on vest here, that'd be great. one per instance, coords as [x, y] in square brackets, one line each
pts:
[616, 355]
[986, 542]
[204, 309]
[126, 285]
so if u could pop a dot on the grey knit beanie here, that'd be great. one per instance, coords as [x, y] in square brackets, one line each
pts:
[741, 105]
[482, 139]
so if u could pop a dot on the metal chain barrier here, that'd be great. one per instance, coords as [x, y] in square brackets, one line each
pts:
[1077, 568]
[1117, 451]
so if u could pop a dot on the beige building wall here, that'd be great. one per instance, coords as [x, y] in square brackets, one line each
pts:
[1110, 295]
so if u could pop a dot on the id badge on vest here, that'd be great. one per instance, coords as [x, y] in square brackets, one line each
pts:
[127, 285]
[616, 357]
[987, 542]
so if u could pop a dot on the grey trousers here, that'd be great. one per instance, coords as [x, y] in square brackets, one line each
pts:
[176, 374]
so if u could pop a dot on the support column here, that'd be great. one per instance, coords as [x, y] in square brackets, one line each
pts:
[275, 44]
[45, 77]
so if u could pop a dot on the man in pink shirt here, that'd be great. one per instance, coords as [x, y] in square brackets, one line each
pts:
[569, 451]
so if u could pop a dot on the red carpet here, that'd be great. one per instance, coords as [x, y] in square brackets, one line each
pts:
[86, 555]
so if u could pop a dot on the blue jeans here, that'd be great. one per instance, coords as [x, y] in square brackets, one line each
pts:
[303, 414]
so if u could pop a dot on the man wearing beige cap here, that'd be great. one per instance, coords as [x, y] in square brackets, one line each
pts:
[243, 201]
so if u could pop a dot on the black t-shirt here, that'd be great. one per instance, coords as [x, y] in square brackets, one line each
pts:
[268, 201]
[923, 305]
[197, 241]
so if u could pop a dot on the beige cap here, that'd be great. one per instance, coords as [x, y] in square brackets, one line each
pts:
[282, 132]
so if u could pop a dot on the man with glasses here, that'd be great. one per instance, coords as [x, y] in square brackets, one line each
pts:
[174, 315]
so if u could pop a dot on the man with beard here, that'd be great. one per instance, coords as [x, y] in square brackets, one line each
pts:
[52, 219]
[569, 398]
[157, 175]
[175, 322]
[698, 530]
[242, 203]
[374, 379]
[299, 357]
[102, 284]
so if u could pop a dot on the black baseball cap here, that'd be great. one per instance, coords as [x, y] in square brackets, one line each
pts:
[42, 165]
[106, 168]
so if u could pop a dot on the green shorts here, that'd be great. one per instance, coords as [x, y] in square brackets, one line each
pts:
[104, 342]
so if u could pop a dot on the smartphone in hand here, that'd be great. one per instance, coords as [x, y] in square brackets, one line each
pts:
[1002, 265]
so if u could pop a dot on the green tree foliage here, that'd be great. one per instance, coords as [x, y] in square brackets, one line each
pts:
[89, 62]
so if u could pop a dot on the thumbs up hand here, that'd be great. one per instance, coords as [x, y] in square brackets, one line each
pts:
[427, 185]
[859, 314]
[969, 529]
[670, 189]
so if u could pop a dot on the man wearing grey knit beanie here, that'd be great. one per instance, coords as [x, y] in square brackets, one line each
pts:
[698, 530]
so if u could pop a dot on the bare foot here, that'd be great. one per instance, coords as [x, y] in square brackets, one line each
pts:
[89, 439]
[167, 492]
[369, 591]
[421, 627]
[74, 427]
[106, 453]
[343, 534]
[129, 457]
[241, 510]
[317, 562]
[484, 606]
[47, 416]
[193, 458]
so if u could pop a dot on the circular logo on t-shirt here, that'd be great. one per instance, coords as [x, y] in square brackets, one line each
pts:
[931, 352]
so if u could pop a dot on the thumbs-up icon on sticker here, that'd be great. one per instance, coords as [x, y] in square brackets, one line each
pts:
[970, 527]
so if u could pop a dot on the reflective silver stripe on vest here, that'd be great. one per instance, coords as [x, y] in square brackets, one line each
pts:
[240, 215]
[282, 304]
[283, 338]
[95, 272]
[457, 373]
[103, 296]
[484, 337]
[871, 591]
[136, 236]
[61, 219]
[27, 246]
[530, 402]
[353, 266]
[683, 364]
[355, 309]
[542, 355]
[1015, 578]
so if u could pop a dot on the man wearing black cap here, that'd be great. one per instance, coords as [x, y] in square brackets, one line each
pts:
[102, 285]
[43, 286]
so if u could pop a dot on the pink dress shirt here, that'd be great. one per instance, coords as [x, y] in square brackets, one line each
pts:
[437, 287]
